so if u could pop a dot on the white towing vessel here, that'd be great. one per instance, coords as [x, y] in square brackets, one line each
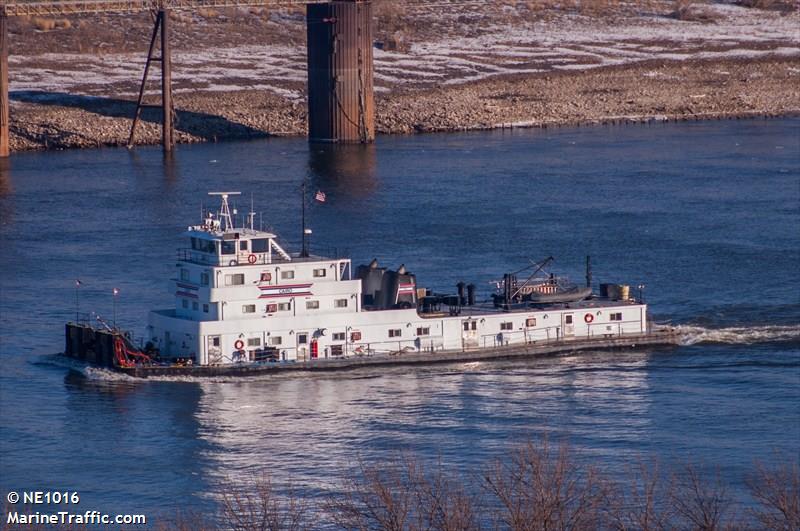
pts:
[244, 304]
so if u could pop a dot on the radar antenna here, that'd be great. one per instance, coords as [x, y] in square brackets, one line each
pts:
[224, 210]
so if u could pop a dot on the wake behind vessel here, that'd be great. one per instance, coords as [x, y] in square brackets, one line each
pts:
[244, 305]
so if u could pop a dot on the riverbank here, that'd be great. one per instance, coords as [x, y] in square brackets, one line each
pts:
[244, 76]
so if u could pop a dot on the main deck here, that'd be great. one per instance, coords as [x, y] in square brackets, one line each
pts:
[661, 336]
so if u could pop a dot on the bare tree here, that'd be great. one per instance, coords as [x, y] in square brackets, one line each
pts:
[378, 497]
[701, 499]
[641, 501]
[185, 521]
[256, 506]
[541, 488]
[444, 503]
[404, 494]
[777, 490]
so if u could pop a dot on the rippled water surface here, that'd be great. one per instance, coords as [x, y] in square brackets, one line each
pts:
[705, 214]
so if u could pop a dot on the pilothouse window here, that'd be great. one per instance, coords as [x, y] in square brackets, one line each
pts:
[204, 246]
[228, 247]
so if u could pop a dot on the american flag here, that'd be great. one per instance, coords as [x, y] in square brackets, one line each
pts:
[320, 196]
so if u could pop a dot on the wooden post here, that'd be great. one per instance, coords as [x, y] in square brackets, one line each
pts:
[4, 116]
[166, 83]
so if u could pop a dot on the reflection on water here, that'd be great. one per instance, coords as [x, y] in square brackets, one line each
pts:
[5, 177]
[171, 169]
[350, 169]
[311, 429]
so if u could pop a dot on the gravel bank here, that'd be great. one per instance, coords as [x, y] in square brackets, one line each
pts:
[654, 91]
[241, 73]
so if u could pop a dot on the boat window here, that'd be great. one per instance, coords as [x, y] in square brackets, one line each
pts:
[195, 306]
[616, 316]
[228, 247]
[184, 274]
[302, 339]
[272, 308]
[204, 279]
[340, 303]
[567, 319]
[275, 340]
[184, 303]
[423, 331]
[205, 308]
[336, 350]
[338, 336]
[284, 306]
[243, 245]
[254, 342]
[204, 246]
[319, 272]
[466, 326]
[396, 332]
[287, 274]
[259, 245]
[249, 308]
[234, 280]
[266, 277]
[530, 321]
[312, 305]
[507, 326]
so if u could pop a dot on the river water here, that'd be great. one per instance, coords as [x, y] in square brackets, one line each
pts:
[707, 215]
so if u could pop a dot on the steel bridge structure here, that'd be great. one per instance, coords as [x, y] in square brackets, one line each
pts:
[161, 10]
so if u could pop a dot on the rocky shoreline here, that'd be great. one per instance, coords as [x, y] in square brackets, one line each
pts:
[658, 91]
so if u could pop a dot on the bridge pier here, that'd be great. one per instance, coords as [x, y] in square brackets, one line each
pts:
[4, 111]
[341, 105]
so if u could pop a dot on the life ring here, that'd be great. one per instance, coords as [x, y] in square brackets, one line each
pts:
[239, 345]
[233, 263]
[588, 318]
[252, 259]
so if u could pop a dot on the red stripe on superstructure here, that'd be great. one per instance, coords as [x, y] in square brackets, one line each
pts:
[285, 286]
[288, 295]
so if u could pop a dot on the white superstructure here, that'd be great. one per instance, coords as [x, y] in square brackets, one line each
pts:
[241, 297]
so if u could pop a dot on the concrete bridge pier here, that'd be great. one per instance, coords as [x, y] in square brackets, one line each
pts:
[341, 105]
